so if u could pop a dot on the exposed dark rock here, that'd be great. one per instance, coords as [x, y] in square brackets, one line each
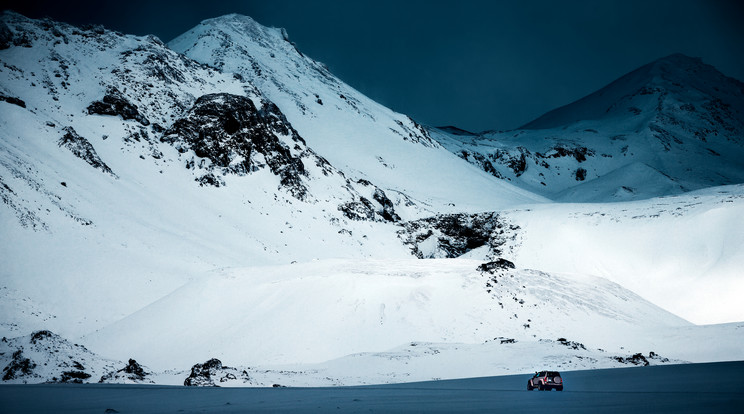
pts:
[19, 366]
[133, 372]
[488, 167]
[517, 162]
[41, 336]
[6, 36]
[579, 153]
[518, 165]
[201, 374]
[358, 210]
[635, 359]
[237, 138]
[580, 174]
[83, 150]
[134, 368]
[210, 179]
[12, 100]
[571, 344]
[388, 209]
[75, 377]
[211, 372]
[491, 267]
[457, 234]
[115, 104]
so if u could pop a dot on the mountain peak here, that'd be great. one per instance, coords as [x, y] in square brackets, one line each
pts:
[245, 25]
[679, 76]
[231, 18]
[679, 59]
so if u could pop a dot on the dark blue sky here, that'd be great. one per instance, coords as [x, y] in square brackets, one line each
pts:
[474, 64]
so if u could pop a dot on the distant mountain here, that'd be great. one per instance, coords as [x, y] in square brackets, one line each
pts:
[669, 127]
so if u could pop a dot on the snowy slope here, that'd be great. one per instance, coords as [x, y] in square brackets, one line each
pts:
[671, 126]
[357, 135]
[122, 205]
[683, 253]
[314, 312]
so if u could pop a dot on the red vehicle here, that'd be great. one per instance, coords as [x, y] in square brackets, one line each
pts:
[545, 381]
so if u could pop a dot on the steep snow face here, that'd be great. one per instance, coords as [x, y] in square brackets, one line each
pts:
[672, 126]
[360, 137]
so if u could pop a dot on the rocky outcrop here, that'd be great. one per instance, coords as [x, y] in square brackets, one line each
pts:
[452, 235]
[115, 104]
[83, 149]
[230, 134]
[47, 357]
[6, 36]
[18, 367]
[12, 100]
[212, 373]
[131, 373]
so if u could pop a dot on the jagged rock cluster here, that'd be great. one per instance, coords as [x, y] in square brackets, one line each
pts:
[83, 149]
[452, 235]
[234, 136]
[115, 104]
[379, 208]
[212, 373]
[131, 373]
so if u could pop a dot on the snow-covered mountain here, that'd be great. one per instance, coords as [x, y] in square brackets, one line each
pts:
[357, 135]
[226, 196]
[671, 126]
[117, 148]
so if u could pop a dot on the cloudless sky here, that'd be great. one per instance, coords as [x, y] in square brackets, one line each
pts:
[474, 64]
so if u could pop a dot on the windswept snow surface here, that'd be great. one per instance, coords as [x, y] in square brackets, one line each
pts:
[683, 253]
[305, 313]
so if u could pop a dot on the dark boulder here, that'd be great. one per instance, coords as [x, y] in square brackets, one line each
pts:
[495, 265]
[12, 100]
[115, 104]
[202, 374]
